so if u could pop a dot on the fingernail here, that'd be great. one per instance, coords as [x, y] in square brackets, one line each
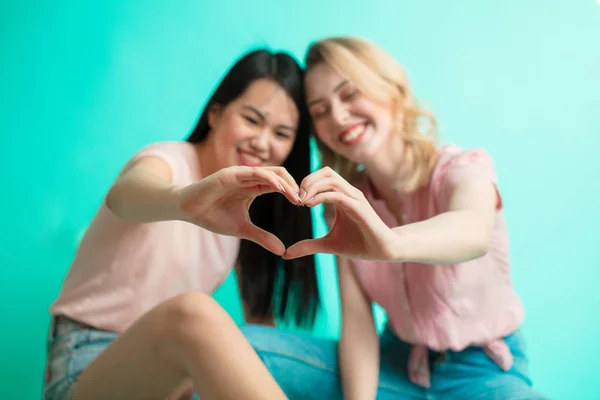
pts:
[301, 194]
[282, 188]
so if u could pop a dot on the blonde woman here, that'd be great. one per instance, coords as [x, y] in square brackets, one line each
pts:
[418, 228]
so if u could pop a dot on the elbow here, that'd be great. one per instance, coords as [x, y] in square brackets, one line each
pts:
[481, 249]
[111, 201]
[481, 245]
[480, 236]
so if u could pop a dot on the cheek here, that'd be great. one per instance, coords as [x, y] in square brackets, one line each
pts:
[381, 114]
[324, 131]
[235, 131]
[364, 109]
[377, 114]
[281, 151]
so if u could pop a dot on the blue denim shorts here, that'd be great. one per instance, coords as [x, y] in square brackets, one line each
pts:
[71, 348]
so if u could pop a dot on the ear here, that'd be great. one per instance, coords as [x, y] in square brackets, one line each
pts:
[214, 114]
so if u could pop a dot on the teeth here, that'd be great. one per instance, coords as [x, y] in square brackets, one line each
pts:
[353, 134]
[251, 158]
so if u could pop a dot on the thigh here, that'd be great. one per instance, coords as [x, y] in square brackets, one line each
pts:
[139, 363]
[393, 374]
[189, 337]
[501, 386]
[71, 348]
[306, 367]
[473, 374]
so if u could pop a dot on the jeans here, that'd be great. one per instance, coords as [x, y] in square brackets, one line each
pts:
[306, 367]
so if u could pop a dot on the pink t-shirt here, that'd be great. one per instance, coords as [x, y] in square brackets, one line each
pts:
[446, 307]
[121, 270]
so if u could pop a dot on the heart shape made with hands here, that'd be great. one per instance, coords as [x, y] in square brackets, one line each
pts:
[356, 231]
[222, 204]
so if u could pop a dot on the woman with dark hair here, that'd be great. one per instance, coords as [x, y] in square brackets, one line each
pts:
[134, 318]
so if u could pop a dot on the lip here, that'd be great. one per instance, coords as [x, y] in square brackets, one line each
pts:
[348, 130]
[243, 156]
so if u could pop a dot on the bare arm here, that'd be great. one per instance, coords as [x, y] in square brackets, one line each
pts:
[359, 341]
[144, 193]
[462, 233]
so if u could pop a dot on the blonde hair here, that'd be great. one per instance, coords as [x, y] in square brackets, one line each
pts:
[379, 76]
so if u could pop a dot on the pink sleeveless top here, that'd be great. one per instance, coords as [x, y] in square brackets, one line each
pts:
[446, 307]
[121, 270]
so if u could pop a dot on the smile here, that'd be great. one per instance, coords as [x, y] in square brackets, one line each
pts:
[249, 159]
[353, 134]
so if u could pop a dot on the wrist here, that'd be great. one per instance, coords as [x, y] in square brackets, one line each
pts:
[173, 197]
[400, 245]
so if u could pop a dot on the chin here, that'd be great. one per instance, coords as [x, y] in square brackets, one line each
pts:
[361, 154]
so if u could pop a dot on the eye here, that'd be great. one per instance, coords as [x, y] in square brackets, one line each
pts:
[317, 112]
[251, 120]
[283, 135]
[348, 96]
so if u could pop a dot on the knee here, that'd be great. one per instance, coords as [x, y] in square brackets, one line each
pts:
[192, 306]
[189, 315]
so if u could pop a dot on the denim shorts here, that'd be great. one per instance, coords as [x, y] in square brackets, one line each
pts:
[71, 347]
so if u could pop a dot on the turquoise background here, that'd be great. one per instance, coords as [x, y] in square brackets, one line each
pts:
[84, 84]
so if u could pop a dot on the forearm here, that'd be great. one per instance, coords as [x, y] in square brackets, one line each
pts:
[359, 341]
[359, 361]
[448, 238]
[143, 197]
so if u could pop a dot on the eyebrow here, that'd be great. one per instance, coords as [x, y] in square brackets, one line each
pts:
[262, 117]
[335, 89]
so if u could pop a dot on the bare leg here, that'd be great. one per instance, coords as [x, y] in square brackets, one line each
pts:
[189, 337]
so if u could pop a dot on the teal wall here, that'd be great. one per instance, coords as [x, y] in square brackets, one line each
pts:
[84, 84]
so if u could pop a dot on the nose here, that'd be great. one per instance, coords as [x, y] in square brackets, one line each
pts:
[339, 112]
[260, 141]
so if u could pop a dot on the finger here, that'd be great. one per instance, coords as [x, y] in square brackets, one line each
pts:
[307, 247]
[286, 189]
[336, 198]
[331, 182]
[255, 182]
[257, 187]
[290, 192]
[283, 173]
[315, 177]
[263, 238]
[326, 185]
[248, 176]
[245, 175]
[258, 190]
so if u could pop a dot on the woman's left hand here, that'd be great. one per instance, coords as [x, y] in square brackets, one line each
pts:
[357, 231]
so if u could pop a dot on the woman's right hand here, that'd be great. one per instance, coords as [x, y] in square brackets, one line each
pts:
[220, 202]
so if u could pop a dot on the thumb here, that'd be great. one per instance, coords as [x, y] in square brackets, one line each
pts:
[305, 248]
[263, 238]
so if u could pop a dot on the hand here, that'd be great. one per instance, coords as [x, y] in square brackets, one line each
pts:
[357, 231]
[220, 202]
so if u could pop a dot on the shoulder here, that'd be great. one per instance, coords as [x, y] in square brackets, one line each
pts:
[175, 158]
[458, 167]
[178, 148]
[456, 164]
[174, 153]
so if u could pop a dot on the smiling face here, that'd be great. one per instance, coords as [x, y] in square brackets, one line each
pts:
[256, 129]
[345, 120]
